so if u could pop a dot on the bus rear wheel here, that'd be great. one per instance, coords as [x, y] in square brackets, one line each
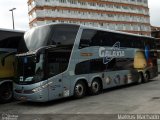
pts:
[95, 87]
[140, 80]
[146, 77]
[80, 89]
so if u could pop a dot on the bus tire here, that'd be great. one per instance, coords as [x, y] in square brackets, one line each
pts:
[140, 80]
[6, 93]
[96, 87]
[146, 77]
[80, 89]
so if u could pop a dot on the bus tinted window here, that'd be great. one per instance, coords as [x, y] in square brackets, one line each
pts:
[97, 65]
[90, 66]
[57, 62]
[10, 42]
[96, 38]
[82, 68]
[122, 39]
[152, 43]
[90, 38]
[106, 38]
[63, 35]
[51, 35]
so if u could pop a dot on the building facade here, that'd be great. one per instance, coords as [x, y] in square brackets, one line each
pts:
[123, 15]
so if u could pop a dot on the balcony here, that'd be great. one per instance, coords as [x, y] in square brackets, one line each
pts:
[90, 6]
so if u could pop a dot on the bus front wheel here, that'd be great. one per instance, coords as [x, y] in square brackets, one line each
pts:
[80, 89]
[6, 93]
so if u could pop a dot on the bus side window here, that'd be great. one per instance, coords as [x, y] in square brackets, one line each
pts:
[90, 66]
[84, 43]
[152, 43]
[140, 43]
[82, 68]
[108, 39]
[111, 65]
[122, 39]
[97, 65]
[97, 39]
[90, 38]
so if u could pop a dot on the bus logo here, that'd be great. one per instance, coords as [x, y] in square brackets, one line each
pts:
[109, 54]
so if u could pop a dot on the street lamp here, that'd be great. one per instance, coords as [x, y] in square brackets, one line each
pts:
[12, 16]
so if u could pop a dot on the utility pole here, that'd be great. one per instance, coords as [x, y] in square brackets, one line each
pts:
[12, 16]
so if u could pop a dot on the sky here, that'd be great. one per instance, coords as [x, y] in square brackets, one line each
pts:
[22, 21]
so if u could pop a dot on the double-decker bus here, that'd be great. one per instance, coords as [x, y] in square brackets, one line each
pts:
[9, 43]
[71, 60]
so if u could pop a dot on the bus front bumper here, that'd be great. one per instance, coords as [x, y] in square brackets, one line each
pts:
[28, 95]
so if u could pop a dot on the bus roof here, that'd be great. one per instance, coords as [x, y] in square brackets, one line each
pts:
[10, 30]
[98, 28]
[7, 33]
[11, 39]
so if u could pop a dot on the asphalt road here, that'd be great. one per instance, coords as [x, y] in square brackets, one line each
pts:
[132, 99]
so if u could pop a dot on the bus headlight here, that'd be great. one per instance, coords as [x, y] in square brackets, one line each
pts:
[38, 89]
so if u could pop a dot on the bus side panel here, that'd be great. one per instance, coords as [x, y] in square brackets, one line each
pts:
[6, 66]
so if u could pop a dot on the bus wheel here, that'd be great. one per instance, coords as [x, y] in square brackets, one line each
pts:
[146, 77]
[6, 93]
[140, 79]
[80, 89]
[95, 87]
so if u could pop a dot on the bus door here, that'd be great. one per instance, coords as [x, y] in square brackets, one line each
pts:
[54, 69]
[57, 63]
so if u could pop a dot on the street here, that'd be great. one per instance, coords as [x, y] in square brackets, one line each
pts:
[131, 99]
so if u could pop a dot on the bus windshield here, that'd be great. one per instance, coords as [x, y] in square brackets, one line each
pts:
[31, 70]
[59, 35]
